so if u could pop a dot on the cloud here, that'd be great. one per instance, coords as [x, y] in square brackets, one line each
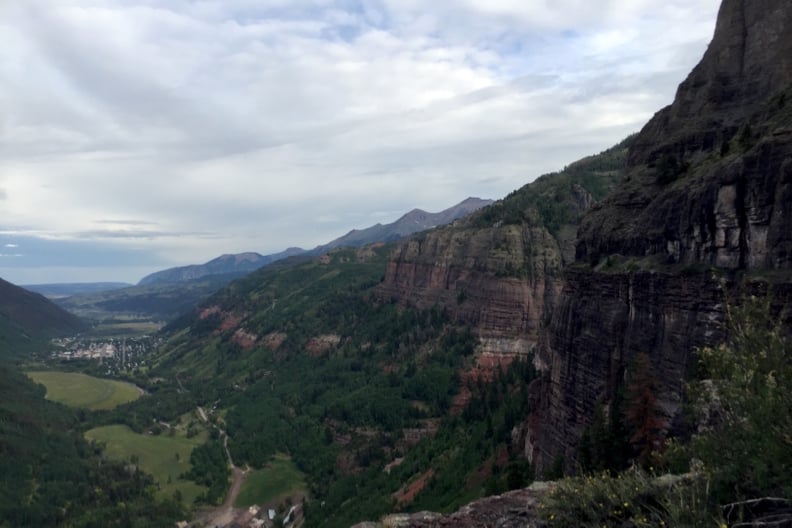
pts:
[11, 246]
[200, 128]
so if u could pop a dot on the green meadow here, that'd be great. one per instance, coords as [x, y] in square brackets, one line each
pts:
[277, 480]
[83, 391]
[163, 456]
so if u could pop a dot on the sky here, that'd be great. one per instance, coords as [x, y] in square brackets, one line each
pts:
[137, 135]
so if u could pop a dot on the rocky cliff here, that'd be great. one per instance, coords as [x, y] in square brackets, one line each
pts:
[497, 280]
[707, 189]
[708, 178]
[499, 269]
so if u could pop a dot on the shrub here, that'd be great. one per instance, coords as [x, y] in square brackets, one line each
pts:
[744, 406]
[633, 498]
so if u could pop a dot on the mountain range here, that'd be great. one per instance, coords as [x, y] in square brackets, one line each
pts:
[412, 222]
[556, 331]
[166, 294]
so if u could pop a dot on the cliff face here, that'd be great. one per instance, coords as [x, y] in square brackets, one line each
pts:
[500, 269]
[708, 184]
[708, 178]
[498, 280]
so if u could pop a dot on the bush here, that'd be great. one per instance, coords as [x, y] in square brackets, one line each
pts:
[744, 406]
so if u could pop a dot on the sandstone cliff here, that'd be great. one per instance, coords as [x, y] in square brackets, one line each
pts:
[708, 178]
[708, 187]
[499, 269]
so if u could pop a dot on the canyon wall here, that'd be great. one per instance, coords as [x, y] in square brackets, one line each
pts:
[497, 280]
[703, 203]
[707, 191]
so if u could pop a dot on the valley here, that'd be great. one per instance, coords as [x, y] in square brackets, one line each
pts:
[85, 392]
[165, 456]
[608, 345]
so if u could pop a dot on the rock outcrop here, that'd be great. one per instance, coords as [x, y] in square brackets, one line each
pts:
[515, 509]
[708, 187]
[497, 280]
[709, 178]
[499, 269]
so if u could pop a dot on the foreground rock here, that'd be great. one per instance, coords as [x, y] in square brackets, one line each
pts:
[515, 509]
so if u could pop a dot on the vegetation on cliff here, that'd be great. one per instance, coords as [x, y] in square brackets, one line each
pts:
[740, 450]
[559, 198]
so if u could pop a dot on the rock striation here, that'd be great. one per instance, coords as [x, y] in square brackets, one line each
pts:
[500, 268]
[708, 187]
[497, 280]
[708, 178]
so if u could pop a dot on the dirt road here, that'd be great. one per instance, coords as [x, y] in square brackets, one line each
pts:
[224, 515]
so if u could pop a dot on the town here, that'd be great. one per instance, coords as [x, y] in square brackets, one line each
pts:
[117, 354]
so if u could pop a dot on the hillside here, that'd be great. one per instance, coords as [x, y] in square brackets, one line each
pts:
[159, 301]
[52, 477]
[497, 269]
[27, 318]
[230, 265]
[562, 329]
[314, 357]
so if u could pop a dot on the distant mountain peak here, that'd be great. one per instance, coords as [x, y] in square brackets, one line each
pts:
[224, 264]
[414, 221]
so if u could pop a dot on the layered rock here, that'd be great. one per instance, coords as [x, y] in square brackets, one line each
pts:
[708, 178]
[499, 269]
[707, 186]
[497, 280]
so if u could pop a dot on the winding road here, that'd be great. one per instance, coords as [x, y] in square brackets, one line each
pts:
[225, 514]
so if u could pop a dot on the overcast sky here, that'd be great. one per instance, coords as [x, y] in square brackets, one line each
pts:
[137, 135]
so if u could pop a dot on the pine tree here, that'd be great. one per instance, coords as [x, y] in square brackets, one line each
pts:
[643, 417]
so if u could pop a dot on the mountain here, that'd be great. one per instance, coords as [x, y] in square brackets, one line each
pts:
[56, 291]
[467, 360]
[702, 217]
[413, 222]
[336, 361]
[27, 318]
[239, 263]
[498, 269]
[169, 293]
[242, 263]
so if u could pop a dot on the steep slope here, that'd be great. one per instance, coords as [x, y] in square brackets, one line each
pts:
[413, 222]
[707, 191]
[52, 477]
[304, 359]
[238, 264]
[498, 269]
[27, 318]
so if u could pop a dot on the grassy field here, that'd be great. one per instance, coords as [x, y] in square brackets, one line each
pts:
[126, 329]
[80, 390]
[278, 480]
[162, 456]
